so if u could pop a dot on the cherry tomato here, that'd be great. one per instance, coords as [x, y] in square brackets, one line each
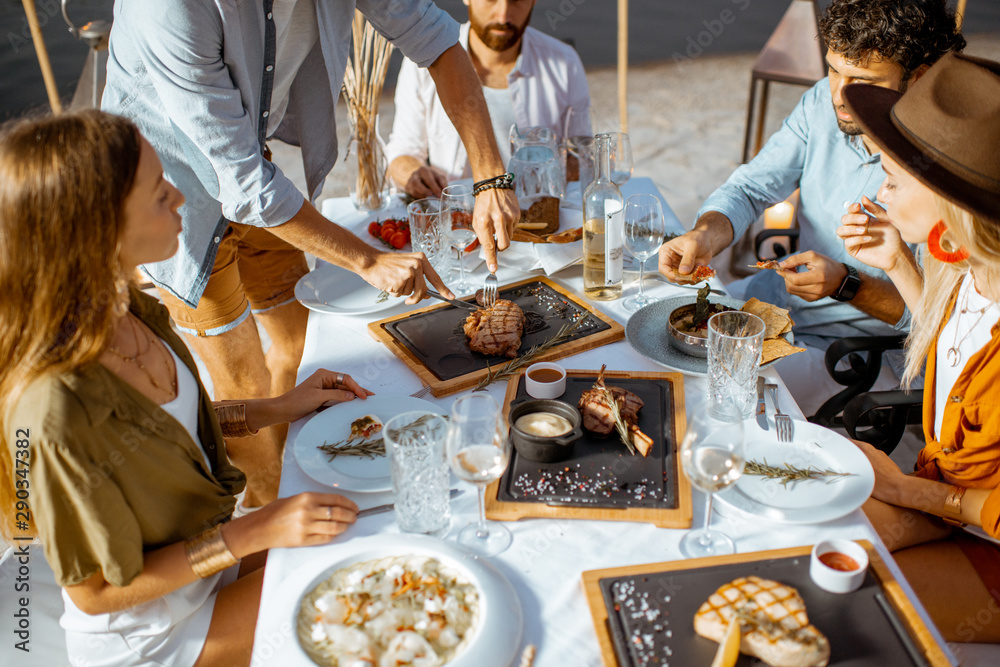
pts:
[406, 231]
[398, 240]
[472, 246]
[375, 229]
[387, 232]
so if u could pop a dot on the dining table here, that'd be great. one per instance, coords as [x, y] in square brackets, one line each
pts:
[547, 556]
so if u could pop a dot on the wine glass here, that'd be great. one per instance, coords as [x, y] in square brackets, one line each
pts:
[621, 158]
[712, 456]
[478, 450]
[457, 203]
[644, 230]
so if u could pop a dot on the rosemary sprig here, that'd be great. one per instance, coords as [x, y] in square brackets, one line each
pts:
[352, 447]
[789, 473]
[620, 424]
[513, 367]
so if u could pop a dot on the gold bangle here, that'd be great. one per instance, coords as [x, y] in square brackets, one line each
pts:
[233, 420]
[207, 552]
[953, 502]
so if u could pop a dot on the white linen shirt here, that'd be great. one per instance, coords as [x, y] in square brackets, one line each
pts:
[546, 81]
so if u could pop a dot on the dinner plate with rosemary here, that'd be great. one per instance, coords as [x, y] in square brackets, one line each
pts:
[819, 477]
[333, 449]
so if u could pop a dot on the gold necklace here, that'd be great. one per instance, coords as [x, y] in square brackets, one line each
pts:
[954, 353]
[134, 359]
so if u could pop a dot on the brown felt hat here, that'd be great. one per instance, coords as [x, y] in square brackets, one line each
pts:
[945, 130]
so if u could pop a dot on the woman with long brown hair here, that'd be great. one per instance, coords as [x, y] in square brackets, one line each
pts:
[109, 441]
[939, 151]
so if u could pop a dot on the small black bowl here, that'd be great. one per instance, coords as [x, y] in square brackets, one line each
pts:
[545, 449]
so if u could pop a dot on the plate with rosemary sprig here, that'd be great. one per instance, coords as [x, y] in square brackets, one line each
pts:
[330, 451]
[819, 477]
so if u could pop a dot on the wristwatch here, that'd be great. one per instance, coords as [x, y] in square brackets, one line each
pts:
[849, 288]
[952, 509]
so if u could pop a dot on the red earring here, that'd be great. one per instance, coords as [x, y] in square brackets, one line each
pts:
[939, 253]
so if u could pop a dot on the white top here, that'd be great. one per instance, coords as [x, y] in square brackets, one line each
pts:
[296, 31]
[547, 80]
[500, 104]
[960, 329]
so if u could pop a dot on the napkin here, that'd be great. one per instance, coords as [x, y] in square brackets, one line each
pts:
[547, 257]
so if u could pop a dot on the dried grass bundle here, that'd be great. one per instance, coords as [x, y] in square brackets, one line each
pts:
[363, 83]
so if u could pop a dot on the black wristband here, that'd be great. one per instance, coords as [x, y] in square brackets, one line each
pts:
[501, 182]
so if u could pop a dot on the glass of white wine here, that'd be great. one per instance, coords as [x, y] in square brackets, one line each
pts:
[644, 230]
[478, 450]
[457, 203]
[712, 456]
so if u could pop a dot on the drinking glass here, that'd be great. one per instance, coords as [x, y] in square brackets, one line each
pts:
[415, 445]
[644, 230]
[735, 340]
[457, 203]
[536, 174]
[478, 449]
[621, 158]
[712, 456]
[424, 215]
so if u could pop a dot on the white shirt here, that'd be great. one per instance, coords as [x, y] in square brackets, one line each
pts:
[296, 31]
[500, 104]
[547, 80]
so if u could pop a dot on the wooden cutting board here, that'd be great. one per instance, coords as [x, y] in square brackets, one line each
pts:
[405, 347]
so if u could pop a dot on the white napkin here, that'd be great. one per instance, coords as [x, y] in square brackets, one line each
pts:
[547, 257]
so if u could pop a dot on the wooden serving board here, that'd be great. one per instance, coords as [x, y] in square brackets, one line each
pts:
[388, 332]
[923, 641]
[678, 516]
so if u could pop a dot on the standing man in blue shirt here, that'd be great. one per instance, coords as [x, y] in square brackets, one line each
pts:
[822, 151]
[208, 82]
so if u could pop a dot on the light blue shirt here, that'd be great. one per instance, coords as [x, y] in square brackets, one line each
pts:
[832, 169]
[190, 73]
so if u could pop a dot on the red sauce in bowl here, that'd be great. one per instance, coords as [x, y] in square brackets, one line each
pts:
[838, 561]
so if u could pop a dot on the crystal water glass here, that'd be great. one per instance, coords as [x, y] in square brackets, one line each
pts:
[712, 456]
[415, 445]
[644, 230]
[425, 229]
[478, 450]
[735, 341]
[457, 204]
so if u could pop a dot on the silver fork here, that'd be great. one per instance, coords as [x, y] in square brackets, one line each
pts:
[423, 391]
[782, 422]
[490, 290]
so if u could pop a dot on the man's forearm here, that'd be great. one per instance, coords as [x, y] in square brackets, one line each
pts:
[461, 95]
[401, 168]
[880, 299]
[719, 229]
[309, 231]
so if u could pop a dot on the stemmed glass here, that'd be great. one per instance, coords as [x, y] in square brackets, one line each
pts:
[478, 450]
[457, 203]
[621, 158]
[644, 230]
[712, 456]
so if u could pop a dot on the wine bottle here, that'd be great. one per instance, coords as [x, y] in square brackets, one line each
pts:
[603, 229]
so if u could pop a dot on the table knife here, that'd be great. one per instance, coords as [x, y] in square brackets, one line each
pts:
[761, 406]
[455, 302]
[378, 509]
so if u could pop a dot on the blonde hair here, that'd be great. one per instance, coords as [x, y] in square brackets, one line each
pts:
[982, 238]
[63, 184]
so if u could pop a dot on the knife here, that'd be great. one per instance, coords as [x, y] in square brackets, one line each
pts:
[455, 302]
[761, 406]
[378, 509]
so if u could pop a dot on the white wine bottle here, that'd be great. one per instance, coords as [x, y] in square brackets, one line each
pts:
[603, 229]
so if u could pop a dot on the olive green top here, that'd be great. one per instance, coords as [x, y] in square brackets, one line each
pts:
[112, 475]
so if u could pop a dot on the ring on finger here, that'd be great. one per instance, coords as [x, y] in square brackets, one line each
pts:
[338, 380]
[329, 513]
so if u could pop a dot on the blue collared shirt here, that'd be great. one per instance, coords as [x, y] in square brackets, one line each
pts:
[192, 75]
[833, 170]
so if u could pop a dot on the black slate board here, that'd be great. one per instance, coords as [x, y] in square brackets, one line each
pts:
[611, 476]
[860, 626]
[436, 337]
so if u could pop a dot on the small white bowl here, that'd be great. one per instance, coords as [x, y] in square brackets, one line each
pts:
[545, 390]
[838, 581]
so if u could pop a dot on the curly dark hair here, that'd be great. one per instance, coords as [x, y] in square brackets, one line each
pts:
[909, 33]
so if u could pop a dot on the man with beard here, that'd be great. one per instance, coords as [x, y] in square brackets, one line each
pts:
[822, 151]
[529, 79]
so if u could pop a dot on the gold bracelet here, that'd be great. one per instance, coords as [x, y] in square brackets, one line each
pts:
[207, 552]
[233, 420]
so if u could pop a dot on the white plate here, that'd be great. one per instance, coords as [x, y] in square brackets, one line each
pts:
[330, 289]
[497, 638]
[351, 473]
[811, 501]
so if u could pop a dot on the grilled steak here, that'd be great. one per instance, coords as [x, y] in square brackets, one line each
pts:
[772, 619]
[598, 417]
[496, 331]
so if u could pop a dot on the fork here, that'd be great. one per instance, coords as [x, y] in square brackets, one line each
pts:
[782, 422]
[490, 290]
[423, 391]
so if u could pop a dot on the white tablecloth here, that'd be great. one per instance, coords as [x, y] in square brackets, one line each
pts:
[546, 558]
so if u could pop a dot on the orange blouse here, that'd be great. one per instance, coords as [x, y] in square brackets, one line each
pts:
[968, 452]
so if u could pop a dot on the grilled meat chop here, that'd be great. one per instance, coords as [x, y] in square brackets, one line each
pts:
[496, 331]
[598, 417]
[772, 619]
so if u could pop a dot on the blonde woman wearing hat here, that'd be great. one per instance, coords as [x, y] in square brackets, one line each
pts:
[940, 146]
